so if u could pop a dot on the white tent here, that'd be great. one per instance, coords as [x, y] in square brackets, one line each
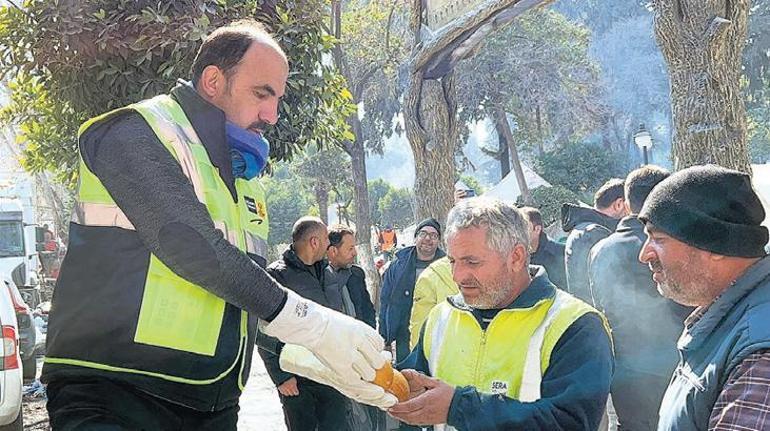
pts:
[508, 188]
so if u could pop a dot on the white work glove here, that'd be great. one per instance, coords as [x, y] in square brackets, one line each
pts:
[350, 348]
[301, 361]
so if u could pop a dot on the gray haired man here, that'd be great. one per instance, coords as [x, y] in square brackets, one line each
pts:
[511, 351]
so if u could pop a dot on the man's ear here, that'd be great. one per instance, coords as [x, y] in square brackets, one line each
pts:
[538, 229]
[517, 259]
[212, 82]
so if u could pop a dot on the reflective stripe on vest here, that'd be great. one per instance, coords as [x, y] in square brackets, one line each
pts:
[175, 313]
[510, 356]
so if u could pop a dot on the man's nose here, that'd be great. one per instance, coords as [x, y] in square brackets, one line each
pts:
[646, 254]
[270, 114]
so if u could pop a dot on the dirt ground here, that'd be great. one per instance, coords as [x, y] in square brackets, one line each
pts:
[35, 415]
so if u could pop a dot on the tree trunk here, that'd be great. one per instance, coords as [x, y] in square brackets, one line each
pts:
[357, 153]
[362, 216]
[430, 117]
[505, 154]
[702, 42]
[501, 119]
[322, 199]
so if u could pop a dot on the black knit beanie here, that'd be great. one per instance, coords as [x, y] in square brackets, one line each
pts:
[430, 221]
[710, 208]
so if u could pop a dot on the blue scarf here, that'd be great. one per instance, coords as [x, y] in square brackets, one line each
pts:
[249, 151]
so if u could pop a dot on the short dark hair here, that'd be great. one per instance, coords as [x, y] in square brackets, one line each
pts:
[304, 227]
[608, 193]
[226, 46]
[639, 184]
[337, 232]
[533, 215]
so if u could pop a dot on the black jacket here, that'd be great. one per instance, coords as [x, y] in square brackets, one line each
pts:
[622, 286]
[362, 301]
[306, 281]
[550, 255]
[586, 227]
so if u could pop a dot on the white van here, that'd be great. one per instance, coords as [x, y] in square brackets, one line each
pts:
[10, 363]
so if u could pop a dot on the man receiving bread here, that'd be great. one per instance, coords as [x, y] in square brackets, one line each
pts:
[510, 351]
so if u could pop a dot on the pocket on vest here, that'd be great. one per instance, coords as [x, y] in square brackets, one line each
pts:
[177, 314]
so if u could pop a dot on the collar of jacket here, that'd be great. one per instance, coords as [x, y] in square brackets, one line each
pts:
[539, 289]
[695, 335]
[209, 123]
[630, 224]
[545, 245]
[291, 259]
[573, 215]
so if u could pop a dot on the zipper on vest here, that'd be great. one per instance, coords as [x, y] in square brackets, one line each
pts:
[480, 359]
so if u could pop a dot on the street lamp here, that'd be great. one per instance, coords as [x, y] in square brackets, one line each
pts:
[643, 140]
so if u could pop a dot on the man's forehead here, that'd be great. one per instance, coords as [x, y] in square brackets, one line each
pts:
[429, 229]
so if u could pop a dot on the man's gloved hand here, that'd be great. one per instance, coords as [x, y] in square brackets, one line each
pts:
[351, 349]
[299, 360]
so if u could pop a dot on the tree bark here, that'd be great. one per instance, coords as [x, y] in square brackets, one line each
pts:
[504, 153]
[322, 199]
[430, 117]
[357, 153]
[702, 42]
[430, 105]
[362, 216]
[501, 120]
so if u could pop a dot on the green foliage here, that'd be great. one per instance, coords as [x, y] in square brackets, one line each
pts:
[473, 183]
[48, 145]
[539, 70]
[377, 190]
[92, 56]
[287, 202]
[390, 205]
[580, 167]
[373, 45]
[549, 201]
[327, 167]
[397, 207]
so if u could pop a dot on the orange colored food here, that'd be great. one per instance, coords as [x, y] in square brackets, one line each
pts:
[392, 381]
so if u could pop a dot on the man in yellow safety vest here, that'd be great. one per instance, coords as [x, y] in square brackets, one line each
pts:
[511, 351]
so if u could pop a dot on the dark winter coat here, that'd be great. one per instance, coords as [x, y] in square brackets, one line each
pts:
[305, 280]
[397, 291]
[586, 227]
[645, 326]
[623, 287]
[550, 255]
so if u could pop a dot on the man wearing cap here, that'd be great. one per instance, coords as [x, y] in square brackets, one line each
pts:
[705, 248]
[398, 284]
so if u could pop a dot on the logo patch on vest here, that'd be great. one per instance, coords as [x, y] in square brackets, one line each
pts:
[251, 204]
[257, 208]
[499, 387]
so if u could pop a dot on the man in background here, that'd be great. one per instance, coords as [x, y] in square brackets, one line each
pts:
[586, 227]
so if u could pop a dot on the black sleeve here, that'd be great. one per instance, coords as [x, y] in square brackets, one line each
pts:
[272, 365]
[149, 186]
[363, 302]
[574, 388]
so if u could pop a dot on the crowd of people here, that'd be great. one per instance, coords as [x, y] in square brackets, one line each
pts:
[658, 300]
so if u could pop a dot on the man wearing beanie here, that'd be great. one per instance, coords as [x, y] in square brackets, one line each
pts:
[645, 345]
[705, 248]
[398, 284]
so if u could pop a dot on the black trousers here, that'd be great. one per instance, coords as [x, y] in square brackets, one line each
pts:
[317, 408]
[104, 405]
